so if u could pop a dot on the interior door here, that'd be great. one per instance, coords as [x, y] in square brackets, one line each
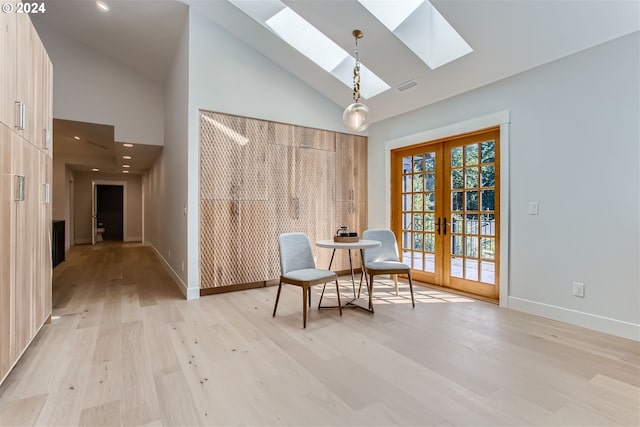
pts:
[445, 211]
[94, 216]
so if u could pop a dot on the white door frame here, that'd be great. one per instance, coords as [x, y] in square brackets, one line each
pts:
[94, 219]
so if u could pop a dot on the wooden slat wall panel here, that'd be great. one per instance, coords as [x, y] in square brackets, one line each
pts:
[317, 198]
[315, 138]
[282, 193]
[219, 157]
[260, 179]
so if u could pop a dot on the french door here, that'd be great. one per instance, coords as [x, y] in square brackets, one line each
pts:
[445, 211]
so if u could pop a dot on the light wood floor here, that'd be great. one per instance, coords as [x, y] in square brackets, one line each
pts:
[124, 348]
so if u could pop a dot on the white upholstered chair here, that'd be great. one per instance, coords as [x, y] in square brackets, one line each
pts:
[384, 259]
[299, 268]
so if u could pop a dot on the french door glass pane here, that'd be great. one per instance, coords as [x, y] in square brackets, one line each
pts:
[406, 221]
[406, 183]
[488, 272]
[488, 176]
[472, 200]
[430, 263]
[418, 163]
[456, 178]
[429, 222]
[417, 261]
[488, 225]
[472, 177]
[418, 183]
[488, 150]
[429, 242]
[456, 223]
[487, 247]
[471, 155]
[456, 267]
[471, 269]
[417, 222]
[488, 200]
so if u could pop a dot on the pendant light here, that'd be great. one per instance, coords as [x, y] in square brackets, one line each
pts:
[356, 115]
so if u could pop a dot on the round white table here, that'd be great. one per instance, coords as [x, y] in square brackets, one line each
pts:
[360, 245]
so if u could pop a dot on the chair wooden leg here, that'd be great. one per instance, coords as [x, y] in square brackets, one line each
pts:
[338, 293]
[304, 307]
[413, 303]
[395, 282]
[275, 307]
[309, 293]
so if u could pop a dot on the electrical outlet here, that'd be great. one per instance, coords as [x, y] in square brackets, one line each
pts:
[578, 289]
[182, 266]
[533, 208]
[169, 253]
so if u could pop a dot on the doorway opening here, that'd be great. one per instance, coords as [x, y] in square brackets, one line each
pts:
[108, 211]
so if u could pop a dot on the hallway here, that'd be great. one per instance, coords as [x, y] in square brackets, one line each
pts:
[125, 348]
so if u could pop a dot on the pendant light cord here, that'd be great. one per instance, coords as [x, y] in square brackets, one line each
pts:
[356, 76]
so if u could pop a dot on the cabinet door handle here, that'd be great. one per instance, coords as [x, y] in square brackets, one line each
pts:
[46, 135]
[21, 112]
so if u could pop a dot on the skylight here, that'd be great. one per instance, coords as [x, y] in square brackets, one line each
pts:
[421, 28]
[308, 40]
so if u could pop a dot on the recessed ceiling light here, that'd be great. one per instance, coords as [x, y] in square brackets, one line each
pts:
[125, 171]
[102, 6]
[126, 166]
[77, 138]
[126, 157]
[95, 170]
[127, 145]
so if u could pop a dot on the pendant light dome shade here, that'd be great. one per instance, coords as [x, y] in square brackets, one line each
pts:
[356, 117]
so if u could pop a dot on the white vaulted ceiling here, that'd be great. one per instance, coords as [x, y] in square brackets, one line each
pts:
[507, 37]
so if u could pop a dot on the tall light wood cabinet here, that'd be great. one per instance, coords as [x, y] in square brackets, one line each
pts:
[260, 179]
[6, 245]
[25, 192]
[351, 190]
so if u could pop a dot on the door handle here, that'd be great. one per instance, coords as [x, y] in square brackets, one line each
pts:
[445, 226]
[438, 226]
[21, 112]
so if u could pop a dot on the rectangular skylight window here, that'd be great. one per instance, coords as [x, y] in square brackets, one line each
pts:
[307, 39]
[311, 42]
[421, 28]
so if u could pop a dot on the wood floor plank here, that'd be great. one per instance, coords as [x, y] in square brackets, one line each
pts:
[125, 348]
[104, 415]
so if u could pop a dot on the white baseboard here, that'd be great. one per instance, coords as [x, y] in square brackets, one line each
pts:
[189, 293]
[578, 318]
[133, 239]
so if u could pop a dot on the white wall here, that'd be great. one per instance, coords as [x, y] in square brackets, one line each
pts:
[228, 76]
[133, 209]
[166, 184]
[90, 87]
[574, 148]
